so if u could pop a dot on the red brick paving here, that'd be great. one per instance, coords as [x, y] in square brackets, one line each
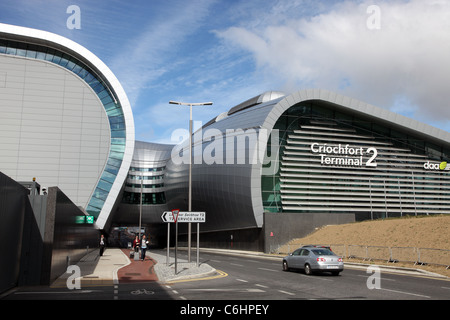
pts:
[137, 271]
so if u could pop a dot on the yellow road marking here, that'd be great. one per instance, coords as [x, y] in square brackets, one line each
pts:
[220, 274]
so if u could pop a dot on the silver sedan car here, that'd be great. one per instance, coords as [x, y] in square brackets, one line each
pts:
[314, 259]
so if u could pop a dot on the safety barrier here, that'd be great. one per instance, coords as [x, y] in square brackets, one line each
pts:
[421, 256]
[434, 256]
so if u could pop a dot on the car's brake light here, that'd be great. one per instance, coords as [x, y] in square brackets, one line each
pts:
[340, 260]
[321, 260]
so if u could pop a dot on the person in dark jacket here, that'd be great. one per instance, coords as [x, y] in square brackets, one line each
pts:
[102, 244]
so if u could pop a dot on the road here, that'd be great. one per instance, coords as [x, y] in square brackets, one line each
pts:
[252, 279]
[262, 279]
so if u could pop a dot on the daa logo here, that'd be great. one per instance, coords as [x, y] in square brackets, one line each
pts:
[436, 166]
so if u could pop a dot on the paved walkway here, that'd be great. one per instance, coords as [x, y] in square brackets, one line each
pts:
[115, 267]
[137, 270]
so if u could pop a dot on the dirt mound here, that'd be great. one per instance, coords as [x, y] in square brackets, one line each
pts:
[418, 232]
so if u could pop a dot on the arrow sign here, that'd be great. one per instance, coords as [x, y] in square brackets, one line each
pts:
[183, 217]
[167, 216]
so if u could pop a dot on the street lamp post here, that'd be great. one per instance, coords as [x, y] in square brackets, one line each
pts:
[190, 168]
[140, 207]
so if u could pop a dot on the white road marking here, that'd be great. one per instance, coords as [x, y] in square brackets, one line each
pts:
[228, 290]
[268, 269]
[237, 265]
[408, 293]
[288, 293]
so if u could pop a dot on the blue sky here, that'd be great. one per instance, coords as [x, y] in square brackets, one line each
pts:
[227, 51]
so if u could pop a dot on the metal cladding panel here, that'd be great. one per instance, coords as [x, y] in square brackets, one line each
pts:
[147, 154]
[224, 154]
[63, 135]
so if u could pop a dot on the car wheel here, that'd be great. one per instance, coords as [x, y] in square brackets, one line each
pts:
[285, 266]
[308, 270]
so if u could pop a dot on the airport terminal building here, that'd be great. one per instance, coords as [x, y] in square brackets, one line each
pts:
[271, 168]
[309, 159]
[66, 119]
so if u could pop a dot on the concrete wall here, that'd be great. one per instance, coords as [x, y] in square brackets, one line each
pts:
[240, 239]
[67, 241]
[39, 235]
[279, 228]
[14, 210]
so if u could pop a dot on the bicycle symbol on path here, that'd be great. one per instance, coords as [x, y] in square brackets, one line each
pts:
[142, 291]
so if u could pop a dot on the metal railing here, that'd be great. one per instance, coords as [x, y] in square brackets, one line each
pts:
[418, 256]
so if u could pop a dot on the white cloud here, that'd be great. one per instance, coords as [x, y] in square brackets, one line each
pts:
[406, 60]
[153, 50]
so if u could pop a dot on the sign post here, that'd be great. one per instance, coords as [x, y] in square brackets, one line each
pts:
[176, 216]
[198, 244]
[168, 243]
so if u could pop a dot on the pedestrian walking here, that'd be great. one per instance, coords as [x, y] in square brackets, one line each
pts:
[136, 244]
[102, 244]
[144, 244]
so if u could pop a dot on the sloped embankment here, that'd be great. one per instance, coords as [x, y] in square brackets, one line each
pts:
[419, 232]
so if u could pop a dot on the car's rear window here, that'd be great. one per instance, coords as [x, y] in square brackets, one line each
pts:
[322, 252]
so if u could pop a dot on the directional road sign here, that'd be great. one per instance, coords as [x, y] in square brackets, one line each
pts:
[184, 217]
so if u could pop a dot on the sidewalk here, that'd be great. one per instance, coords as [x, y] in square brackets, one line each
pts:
[115, 267]
[96, 270]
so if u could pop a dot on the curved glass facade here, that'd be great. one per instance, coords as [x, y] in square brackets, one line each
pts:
[336, 162]
[146, 175]
[147, 198]
[152, 184]
[105, 94]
